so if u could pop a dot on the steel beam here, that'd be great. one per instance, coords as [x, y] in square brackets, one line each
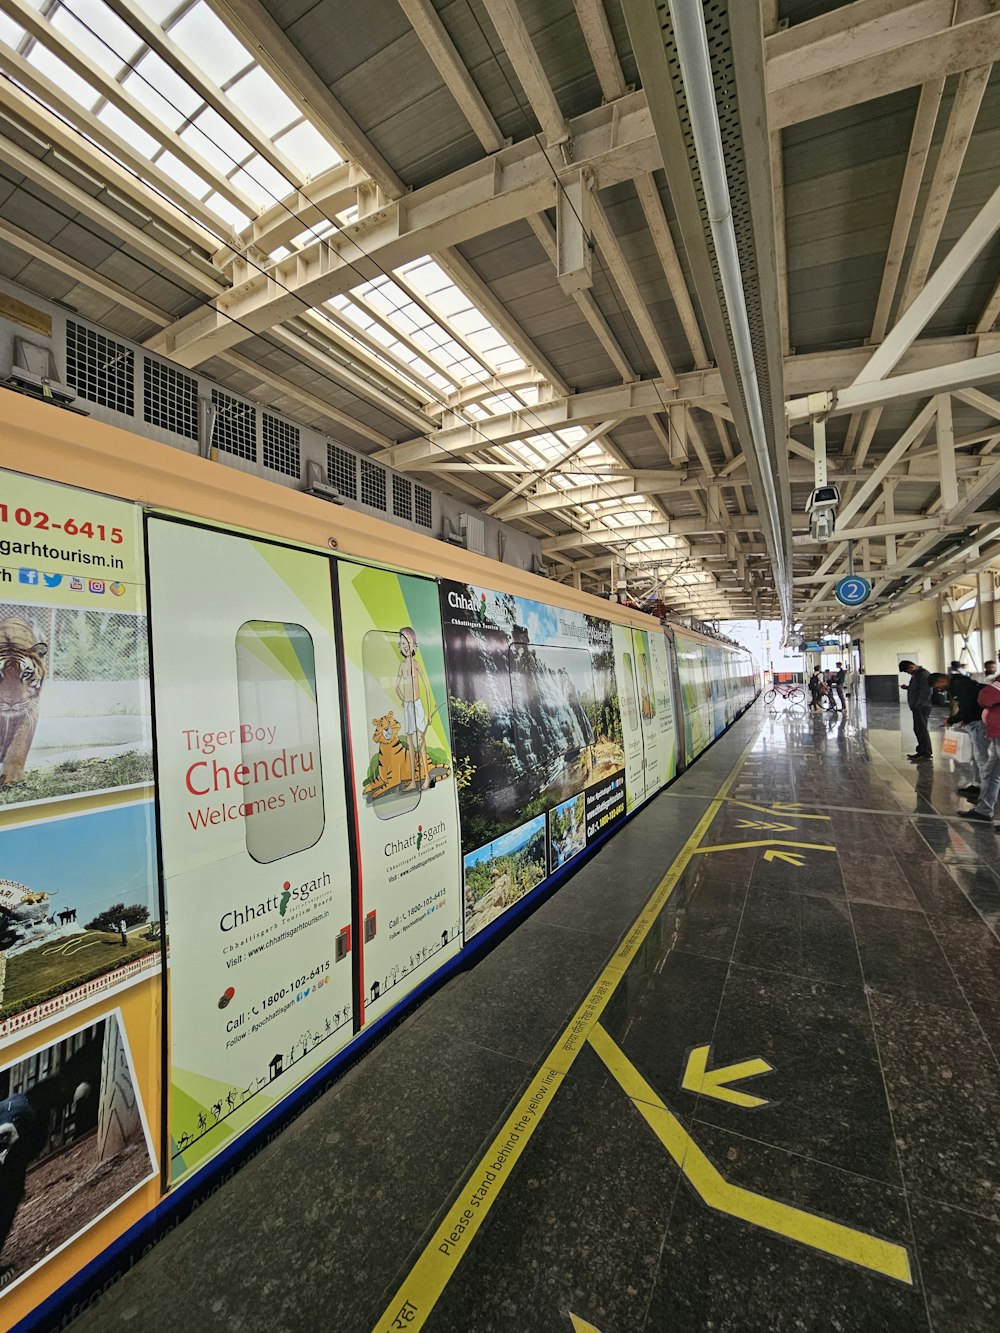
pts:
[873, 48]
[614, 143]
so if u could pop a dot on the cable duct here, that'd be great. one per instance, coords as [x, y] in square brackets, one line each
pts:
[701, 63]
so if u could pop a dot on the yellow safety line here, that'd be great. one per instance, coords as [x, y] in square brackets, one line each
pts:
[421, 1289]
[858, 1247]
[766, 842]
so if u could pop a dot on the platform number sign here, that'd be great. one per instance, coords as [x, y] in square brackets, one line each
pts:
[853, 590]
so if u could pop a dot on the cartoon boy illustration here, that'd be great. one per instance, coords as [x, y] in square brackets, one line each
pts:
[409, 679]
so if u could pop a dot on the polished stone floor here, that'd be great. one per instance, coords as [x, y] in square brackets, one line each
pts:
[848, 940]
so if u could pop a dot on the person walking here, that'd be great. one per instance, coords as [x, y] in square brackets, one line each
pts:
[918, 697]
[963, 695]
[838, 685]
[989, 701]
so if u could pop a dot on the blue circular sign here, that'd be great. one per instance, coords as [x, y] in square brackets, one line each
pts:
[853, 590]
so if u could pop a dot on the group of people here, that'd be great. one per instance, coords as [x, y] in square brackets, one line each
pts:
[974, 706]
[828, 686]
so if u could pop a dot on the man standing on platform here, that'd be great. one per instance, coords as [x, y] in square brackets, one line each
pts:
[838, 685]
[918, 696]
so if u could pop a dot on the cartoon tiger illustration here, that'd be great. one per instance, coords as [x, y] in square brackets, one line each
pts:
[22, 675]
[394, 764]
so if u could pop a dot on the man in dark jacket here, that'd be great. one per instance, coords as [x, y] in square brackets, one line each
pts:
[918, 696]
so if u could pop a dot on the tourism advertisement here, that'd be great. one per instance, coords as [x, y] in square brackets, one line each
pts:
[74, 1144]
[635, 693]
[536, 722]
[253, 827]
[76, 768]
[696, 695]
[405, 780]
[660, 736]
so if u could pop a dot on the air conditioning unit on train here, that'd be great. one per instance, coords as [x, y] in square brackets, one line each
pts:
[317, 485]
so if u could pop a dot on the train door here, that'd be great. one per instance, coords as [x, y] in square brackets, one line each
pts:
[404, 780]
[253, 823]
[630, 697]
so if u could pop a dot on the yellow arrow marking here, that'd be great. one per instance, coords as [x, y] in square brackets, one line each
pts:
[712, 1082]
[789, 809]
[581, 1325]
[858, 1247]
[765, 826]
[793, 858]
[765, 842]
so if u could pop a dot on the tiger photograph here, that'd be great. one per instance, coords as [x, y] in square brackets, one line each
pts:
[74, 702]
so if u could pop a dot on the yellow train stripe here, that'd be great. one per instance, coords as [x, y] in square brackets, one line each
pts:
[819, 1233]
[422, 1287]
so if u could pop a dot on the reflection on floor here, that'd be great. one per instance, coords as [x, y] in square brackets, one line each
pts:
[787, 1116]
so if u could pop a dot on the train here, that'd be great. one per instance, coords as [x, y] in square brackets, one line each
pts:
[272, 768]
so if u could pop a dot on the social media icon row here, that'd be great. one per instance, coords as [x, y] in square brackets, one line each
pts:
[74, 583]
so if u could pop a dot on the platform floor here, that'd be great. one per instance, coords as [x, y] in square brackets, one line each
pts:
[543, 1146]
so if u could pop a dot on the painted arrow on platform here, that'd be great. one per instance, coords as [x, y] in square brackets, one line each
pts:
[792, 858]
[764, 842]
[712, 1082]
[581, 1325]
[791, 809]
[765, 826]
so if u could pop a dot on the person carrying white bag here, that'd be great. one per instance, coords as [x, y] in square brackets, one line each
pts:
[989, 701]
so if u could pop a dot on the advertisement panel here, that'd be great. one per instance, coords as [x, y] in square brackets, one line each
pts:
[536, 724]
[79, 914]
[635, 696]
[77, 875]
[404, 780]
[696, 696]
[661, 744]
[253, 826]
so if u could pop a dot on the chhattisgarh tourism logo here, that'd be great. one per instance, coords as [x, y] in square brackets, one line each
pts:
[286, 893]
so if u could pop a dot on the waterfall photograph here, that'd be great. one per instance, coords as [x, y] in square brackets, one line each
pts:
[533, 703]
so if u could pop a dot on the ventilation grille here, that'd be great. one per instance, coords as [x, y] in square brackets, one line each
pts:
[474, 530]
[372, 484]
[281, 446]
[170, 399]
[422, 506]
[342, 470]
[235, 426]
[100, 369]
[402, 498]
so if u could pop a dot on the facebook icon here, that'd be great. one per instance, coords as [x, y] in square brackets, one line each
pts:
[28, 576]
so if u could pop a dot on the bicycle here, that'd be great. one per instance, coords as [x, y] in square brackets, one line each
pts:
[790, 692]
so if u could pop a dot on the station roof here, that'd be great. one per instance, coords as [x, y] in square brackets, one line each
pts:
[470, 238]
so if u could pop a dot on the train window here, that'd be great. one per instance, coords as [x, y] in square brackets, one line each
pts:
[553, 699]
[401, 756]
[280, 781]
[628, 699]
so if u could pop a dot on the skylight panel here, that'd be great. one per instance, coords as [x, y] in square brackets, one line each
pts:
[209, 43]
[262, 101]
[125, 126]
[217, 141]
[98, 33]
[183, 175]
[280, 253]
[61, 74]
[158, 10]
[305, 146]
[448, 300]
[228, 212]
[161, 91]
[10, 32]
[469, 321]
[258, 180]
